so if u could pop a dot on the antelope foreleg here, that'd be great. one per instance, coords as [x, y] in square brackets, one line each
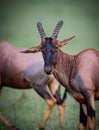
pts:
[50, 104]
[6, 123]
[61, 110]
[83, 117]
[54, 87]
[91, 112]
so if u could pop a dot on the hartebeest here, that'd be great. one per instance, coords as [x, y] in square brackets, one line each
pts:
[25, 71]
[79, 74]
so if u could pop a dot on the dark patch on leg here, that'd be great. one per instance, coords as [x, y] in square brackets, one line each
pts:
[91, 111]
[84, 92]
[38, 81]
[83, 117]
[39, 84]
[42, 91]
[58, 96]
[64, 95]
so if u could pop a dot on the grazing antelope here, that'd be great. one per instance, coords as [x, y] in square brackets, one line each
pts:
[25, 71]
[79, 74]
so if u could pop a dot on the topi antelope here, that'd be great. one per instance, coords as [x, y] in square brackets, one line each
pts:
[25, 71]
[79, 73]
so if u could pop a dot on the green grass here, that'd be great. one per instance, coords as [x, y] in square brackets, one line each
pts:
[25, 109]
[18, 18]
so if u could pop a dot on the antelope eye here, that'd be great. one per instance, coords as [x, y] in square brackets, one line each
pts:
[53, 50]
[43, 55]
[43, 52]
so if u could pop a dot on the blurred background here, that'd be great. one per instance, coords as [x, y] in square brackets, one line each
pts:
[18, 20]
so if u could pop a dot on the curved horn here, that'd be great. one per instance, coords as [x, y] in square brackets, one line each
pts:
[57, 29]
[41, 30]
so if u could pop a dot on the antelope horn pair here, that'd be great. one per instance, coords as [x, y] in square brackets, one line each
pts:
[43, 36]
[55, 32]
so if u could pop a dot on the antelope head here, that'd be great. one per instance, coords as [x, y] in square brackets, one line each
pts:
[49, 45]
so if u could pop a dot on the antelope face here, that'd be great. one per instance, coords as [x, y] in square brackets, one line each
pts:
[48, 50]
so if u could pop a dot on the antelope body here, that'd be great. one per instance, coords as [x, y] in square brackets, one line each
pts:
[79, 74]
[25, 71]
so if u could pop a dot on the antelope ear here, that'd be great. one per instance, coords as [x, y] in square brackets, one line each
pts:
[32, 50]
[64, 42]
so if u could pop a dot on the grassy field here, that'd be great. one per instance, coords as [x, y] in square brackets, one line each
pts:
[18, 18]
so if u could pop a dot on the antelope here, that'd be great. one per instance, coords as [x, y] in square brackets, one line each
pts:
[26, 71]
[78, 73]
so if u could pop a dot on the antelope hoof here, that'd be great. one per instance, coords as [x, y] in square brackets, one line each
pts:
[15, 128]
[41, 128]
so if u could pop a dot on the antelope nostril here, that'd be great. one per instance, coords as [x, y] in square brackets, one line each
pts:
[48, 70]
